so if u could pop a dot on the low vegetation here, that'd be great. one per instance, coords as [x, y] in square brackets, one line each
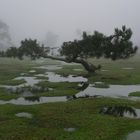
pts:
[11, 68]
[49, 121]
[59, 89]
[136, 94]
[5, 95]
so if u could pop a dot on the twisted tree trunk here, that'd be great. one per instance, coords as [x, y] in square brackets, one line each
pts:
[88, 66]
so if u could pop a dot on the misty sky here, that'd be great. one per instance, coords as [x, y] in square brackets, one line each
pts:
[34, 18]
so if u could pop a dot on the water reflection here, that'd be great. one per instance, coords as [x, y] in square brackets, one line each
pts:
[52, 77]
[118, 91]
[134, 136]
[41, 100]
[24, 114]
[119, 111]
[30, 81]
[50, 67]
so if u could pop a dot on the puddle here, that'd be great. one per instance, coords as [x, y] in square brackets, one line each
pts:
[133, 136]
[64, 63]
[104, 70]
[41, 75]
[22, 74]
[113, 91]
[24, 115]
[50, 67]
[98, 82]
[128, 115]
[30, 81]
[77, 69]
[41, 100]
[121, 111]
[26, 94]
[117, 91]
[127, 68]
[69, 129]
[32, 71]
[52, 77]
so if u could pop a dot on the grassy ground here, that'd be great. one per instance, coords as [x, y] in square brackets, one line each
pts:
[5, 95]
[112, 72]
[49, 121]
[59, 89]
[136, 94]
[11, 68]
[70, 69]
[116, 74]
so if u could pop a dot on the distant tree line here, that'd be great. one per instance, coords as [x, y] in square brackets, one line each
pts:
[115, 46]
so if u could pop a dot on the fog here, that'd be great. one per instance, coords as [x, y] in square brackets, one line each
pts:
[65, 18]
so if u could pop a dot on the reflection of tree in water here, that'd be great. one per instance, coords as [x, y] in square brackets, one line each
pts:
[83, 86]
[32, 98]
[118, 111]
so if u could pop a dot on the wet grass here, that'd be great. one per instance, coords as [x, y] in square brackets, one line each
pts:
[136, 94]
[112, 72]
[13, 82]
[59, 88]
[70, 69]
[11, 68]
[49, 121]
[116, 74]
[5, 95]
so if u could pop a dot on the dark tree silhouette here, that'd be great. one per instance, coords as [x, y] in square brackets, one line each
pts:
[97, 45]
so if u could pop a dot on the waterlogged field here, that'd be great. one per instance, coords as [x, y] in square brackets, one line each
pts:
[72, 120]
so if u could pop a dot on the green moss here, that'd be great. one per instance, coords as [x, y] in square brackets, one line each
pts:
[13, 82]
[136, 94]
[59, 88]
[69, 69]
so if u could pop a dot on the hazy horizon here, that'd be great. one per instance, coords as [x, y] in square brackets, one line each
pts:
[34, 18]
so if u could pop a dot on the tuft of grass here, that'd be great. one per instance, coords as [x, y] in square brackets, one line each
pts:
[11, 68]
[136, 94]
[13, 82]
[59, 89]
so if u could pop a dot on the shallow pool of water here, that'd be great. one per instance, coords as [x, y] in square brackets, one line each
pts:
[30, 81]
[50, 67]
[41, 100]
[52, 77]
[24, 115]
[32, 71]
[128, 68]
[133, 136]
[70, 129]
[128, 115]
[113, 91]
